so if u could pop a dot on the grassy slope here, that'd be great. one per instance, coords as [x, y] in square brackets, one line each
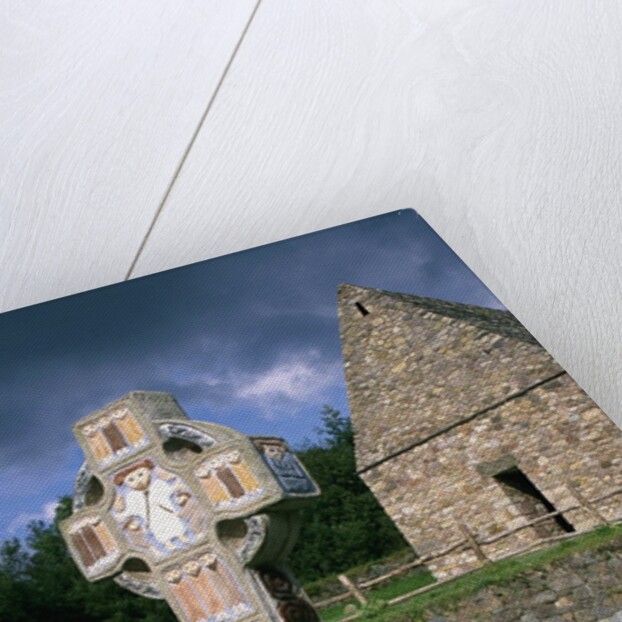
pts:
[449, 595]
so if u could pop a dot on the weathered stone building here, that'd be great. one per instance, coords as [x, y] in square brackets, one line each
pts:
[465, 424]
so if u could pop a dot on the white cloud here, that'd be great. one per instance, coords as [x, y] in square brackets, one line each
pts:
[22, 520]
[294, 381]
[49, 510]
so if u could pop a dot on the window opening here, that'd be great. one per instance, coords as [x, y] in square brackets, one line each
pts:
[361, 308]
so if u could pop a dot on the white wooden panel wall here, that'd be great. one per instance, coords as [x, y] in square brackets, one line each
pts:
[98, 102]
[498, 120]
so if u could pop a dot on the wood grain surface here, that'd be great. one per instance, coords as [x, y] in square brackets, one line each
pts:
[98, 102]
[499, 121]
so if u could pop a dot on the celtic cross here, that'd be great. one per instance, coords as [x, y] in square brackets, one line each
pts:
[192, 512]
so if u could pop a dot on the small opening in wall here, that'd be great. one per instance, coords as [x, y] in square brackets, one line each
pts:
[363, 311]
[532, 503]
[233, 530]
[134, 564]
[179, 448]
[94, 492]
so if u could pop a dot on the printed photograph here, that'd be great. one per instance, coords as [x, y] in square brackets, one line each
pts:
[346, 425]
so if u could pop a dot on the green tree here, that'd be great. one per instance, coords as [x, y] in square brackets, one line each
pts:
[41, 582]
[13, 591]
[346, 526]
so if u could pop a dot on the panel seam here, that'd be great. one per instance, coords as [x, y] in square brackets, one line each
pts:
[193, 138]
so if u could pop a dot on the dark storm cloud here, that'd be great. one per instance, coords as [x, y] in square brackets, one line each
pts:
[249, 339]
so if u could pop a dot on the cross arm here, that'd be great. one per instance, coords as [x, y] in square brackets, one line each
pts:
[93, 544]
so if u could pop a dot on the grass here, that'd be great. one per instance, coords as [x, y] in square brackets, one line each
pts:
[389, 590]
[317, 589]
[447, 596]
[321, 588]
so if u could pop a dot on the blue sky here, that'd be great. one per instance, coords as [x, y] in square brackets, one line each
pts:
[248, 340]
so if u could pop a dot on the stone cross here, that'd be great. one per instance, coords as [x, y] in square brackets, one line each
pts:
[191, 512]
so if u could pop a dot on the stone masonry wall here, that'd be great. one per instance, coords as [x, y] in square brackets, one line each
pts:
[583, 587]
[554, 433]
[414, 366]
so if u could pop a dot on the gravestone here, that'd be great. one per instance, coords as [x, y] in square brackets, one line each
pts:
[191, 512]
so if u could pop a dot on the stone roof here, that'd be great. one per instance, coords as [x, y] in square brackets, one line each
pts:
[496, 321]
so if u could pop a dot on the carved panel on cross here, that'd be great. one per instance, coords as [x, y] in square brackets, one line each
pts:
[192, 512]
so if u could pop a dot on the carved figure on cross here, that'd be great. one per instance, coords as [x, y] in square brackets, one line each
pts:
[192, 512]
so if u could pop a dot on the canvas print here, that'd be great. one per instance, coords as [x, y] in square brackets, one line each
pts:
[342, 426]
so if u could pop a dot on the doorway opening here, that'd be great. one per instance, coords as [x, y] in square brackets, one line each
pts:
[532, 503]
